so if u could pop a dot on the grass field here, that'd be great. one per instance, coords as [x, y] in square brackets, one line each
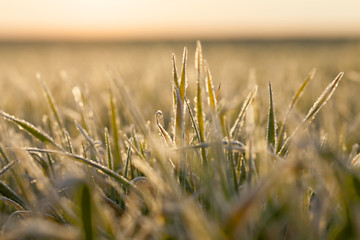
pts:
[239, 140]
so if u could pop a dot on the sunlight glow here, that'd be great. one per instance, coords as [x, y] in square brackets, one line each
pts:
[156, 19]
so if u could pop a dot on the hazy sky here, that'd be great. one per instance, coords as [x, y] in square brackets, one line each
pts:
[172, 19]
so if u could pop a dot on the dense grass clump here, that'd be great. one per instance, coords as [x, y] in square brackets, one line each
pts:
[215, 170]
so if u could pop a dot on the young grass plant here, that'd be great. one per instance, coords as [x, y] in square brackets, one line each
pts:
[200, 179]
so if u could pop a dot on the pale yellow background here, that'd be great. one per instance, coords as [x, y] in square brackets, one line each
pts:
[170, 19]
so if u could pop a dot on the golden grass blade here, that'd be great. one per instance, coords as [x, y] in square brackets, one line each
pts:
[301, 89]
[164, 133]
[210, 89]
[295, 99]
[321, 101]
[175, 77]
[198, 59]
[183, 80]
[200, 118]
[235, 128]
[52, 104]
[271, 128]
[30, 129]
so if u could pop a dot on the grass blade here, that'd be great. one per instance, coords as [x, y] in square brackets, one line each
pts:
[199, 107]
[271, 129]
[320, 102]
[183, 80]
[164, 133]
[7, 167]
[88, 162]
[7, 192]
[86, 213]
[30, 129]
[52, 105]
[210, 89]
[175, 77]
[295, 99]
[115, 131]
[235, 128]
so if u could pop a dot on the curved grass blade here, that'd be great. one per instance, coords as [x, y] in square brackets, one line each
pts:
[7, 192]
[164, 133]
[235, 128]
[271, 129]
[30, 129]
[88, 162]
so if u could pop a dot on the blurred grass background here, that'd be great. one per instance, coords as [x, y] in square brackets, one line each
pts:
[146, 70]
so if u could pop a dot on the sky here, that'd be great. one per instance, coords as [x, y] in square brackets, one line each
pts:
[173, 19]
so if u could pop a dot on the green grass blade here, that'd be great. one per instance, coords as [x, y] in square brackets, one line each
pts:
[235, 128]
[115, 131]
[200, 118]
[180, 122]
[7, 192]
[86, 209]
[128, 159]
[30, 129]
[271, 129]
